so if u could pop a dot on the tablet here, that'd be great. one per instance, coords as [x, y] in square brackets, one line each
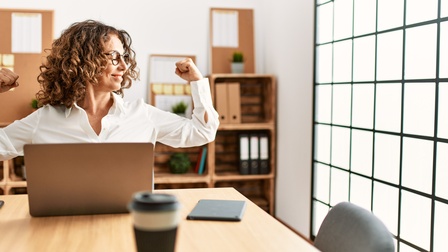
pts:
[220, 210]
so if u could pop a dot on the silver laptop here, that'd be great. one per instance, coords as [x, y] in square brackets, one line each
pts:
[86, 178]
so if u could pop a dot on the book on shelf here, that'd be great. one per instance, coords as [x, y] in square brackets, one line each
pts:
[198, 161]
[203, 158]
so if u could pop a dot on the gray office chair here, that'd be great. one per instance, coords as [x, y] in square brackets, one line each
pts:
[348, 227]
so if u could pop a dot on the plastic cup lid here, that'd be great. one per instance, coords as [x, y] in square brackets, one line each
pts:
[147, 201]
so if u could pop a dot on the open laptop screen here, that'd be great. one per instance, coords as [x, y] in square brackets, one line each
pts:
[86, 178]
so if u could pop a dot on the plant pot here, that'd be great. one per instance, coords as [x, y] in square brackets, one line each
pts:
[237, 67]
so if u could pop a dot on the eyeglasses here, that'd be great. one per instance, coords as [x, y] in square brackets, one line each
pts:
[116, 56]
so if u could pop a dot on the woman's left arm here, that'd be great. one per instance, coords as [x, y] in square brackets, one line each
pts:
[178, 131]
[201, 129]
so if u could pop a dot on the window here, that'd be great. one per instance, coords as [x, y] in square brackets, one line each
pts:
[381, 115]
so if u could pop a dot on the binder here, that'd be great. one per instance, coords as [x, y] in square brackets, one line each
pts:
[234, 103]
[228, 102]
[244, 154]
[254, 167]
[221, 102]
[264, 154]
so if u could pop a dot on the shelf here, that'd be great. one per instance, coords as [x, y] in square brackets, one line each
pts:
[168, 178]
[227, 153]
[181, 185]
[162, 156]
[234, 76]
[230, 176]
[257, 95]
[257, 114]
[17, 184]
[247, 126]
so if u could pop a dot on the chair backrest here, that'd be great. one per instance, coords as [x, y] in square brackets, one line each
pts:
[348, 227]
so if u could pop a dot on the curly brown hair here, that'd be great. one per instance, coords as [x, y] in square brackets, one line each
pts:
[76, 58]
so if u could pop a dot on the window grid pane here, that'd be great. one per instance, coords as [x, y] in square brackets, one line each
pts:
[386, 123]
[419, 108]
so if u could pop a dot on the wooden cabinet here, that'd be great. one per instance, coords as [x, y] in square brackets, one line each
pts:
[257, 115]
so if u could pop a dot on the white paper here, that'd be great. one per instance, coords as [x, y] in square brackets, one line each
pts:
[7, 60]
[225, 28]
[162, 70]
[26, 35]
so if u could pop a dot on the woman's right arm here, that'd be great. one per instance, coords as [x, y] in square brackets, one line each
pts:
[14, 136]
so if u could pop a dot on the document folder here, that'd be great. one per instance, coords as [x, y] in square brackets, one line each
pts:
[228, 102]
[234, 103]
[254, 154]
[244, 154]
[264, 154]
[221, 102]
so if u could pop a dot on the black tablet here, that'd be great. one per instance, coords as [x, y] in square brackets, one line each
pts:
[220, 210]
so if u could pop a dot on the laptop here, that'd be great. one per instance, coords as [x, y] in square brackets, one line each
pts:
[86, 178]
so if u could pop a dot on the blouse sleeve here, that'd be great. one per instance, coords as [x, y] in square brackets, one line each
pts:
[177, 131]
[14, 136]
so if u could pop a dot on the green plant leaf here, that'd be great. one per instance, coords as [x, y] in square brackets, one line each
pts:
[238, 57]
[179, 108]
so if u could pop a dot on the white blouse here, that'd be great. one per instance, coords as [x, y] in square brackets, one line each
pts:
[134, 121]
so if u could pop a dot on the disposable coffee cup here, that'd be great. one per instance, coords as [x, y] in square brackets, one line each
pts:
[155, 220]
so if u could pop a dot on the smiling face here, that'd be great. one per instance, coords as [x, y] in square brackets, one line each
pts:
[112, 76]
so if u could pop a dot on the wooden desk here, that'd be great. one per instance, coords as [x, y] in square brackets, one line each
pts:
[258, 231]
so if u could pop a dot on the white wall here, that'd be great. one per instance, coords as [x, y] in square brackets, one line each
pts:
[288, 39]
[156, 27]
[283, 46]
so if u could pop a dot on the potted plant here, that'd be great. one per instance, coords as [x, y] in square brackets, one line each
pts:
[34, 104]
[238, 62]
[179, 108]
[179, 163]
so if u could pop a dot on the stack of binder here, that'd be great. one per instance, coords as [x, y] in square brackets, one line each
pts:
[228, 102]
[254, 153]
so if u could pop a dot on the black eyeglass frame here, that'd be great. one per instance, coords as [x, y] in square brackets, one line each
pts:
[115, 59]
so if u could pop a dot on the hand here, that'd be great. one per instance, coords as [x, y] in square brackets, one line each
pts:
[187, 70]
[8, 80]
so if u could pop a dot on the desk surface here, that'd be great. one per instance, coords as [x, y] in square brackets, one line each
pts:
[258, 231]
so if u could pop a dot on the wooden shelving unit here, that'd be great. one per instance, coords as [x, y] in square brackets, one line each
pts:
[11, 182]
[258, 114]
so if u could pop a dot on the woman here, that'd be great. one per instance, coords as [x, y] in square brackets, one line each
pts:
[82, 83]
